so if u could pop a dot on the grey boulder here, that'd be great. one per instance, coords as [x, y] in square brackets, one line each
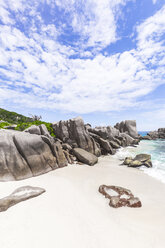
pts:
[23, 155]
[105, 132]
[19, 195]
[129, 127]
[74, 133]
[105, 145]
[40, 130]
[84, 156]
[139, 160]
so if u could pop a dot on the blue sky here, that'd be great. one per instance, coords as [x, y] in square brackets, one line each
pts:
[101, 59]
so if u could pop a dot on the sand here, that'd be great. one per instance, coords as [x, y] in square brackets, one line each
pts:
[73, 214]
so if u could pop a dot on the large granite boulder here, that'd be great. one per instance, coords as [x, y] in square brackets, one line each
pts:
[153, 134]
[129, 127]
[24, 155]
[139, 160]
[113, 136]
[119, 196]
[85, 157]
[21, 194]
[161, 133]
[104, 144]
[74, 133]
[105, 132]
[40, 130]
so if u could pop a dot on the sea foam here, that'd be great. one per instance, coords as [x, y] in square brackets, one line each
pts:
[156, 148]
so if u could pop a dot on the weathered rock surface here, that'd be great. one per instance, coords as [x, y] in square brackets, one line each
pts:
[19, 195]
[119, 197]
[66, 147]
[160, 134]
[40, 130]
[85, 157]
[128, 126]
[75, 134]
[139, 160]
[24, 155]
[154, 135]
[113, 137]
[104, 144]
[105, 132]
[114, 144]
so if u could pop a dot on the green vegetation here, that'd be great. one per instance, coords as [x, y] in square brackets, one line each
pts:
[22, 121]
[22, 126]
[13, 117]
[3, 124]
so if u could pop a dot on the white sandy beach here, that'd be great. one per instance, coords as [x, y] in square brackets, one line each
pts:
[73, 214]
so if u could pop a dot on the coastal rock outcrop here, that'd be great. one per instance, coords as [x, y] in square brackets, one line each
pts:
[40, 130]
[139, 160]
[119, 196]
[110, 138]
[23, 155]
[105, 132]
[153, 135]
[85, 157]
[74, 133]
[21, 194]
[104, 144]
[128, 126]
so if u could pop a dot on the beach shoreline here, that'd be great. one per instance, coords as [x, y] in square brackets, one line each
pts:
[72, 213]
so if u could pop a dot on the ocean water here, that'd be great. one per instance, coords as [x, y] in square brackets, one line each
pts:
[143, 133]
[156, 148]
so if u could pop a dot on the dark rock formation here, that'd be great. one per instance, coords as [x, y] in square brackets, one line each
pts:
[139, 160]
[109, 138]
[129, 127]
[24, 155]
[34, 151]
[154, 135]
[84, 156]
[19, 195]
[114, 144]
[160, 134]
[66, 147]
[105, 132]
[119, 197]
[104, 144]
[75, 134]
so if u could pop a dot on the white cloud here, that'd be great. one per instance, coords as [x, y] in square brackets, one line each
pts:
[93, 20]
[154, 1]
[40, 63]
[149, 33]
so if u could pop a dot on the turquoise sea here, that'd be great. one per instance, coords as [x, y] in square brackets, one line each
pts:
[156, 148]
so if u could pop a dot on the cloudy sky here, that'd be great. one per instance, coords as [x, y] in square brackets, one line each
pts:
[101, 59]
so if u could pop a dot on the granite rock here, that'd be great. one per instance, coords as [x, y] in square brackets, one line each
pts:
[76, 135]
[139, 160]
[129, 127]
[21, 194]
[23, 155]
[84, 156]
